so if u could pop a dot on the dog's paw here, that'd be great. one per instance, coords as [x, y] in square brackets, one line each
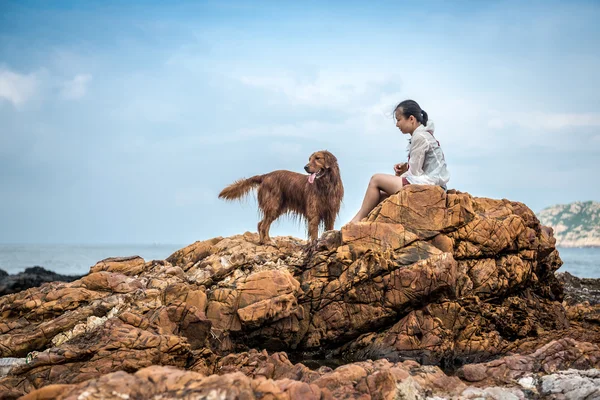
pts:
[269, 242]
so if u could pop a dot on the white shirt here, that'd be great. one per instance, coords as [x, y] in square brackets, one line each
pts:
[426, 163]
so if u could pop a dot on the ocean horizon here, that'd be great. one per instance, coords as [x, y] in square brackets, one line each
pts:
[76, 259]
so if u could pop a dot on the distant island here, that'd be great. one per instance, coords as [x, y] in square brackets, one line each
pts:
[575, 225]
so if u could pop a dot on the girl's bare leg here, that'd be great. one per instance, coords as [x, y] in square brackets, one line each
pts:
[382, 196]
[389, 184]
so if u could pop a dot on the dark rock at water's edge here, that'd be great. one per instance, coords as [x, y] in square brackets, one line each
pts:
[578, 290]
[31, 277]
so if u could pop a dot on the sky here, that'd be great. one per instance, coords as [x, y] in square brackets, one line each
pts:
[120, 122]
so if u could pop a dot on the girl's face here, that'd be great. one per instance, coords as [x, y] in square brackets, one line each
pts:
[406, 125]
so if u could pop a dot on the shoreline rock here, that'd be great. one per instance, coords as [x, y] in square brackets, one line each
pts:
[31, 277]
[579, 290]
[434, 295]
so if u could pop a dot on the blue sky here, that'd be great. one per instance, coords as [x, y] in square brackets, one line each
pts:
[121, 123]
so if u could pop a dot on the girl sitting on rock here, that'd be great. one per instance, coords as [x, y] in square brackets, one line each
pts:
[425, 166]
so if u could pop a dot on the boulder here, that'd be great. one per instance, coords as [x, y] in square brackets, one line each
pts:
[31, 277]
[431, 282]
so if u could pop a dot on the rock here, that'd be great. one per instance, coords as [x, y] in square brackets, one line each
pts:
[260, 364]
[493, 393]
[193, 253]
[368, 380]
[125, 265]
[171, 383]
[114, 346]
[579, 290]
[527, 382]
[431, 282]
[110, 282]
[8, 363]
[31, 277]
[572, 384]
[557, 355]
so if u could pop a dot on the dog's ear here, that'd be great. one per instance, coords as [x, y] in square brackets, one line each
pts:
[330, 159]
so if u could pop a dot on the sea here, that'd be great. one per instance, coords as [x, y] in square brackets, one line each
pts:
[77, 259]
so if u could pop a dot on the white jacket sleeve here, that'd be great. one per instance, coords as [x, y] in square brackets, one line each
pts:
[415, 175]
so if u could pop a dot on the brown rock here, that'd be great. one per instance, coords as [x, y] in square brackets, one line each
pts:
[193, 253]
[425, 210]
[110, 281]
[364, 236]
[557, 355]
[172, 383]
[365, 380]
[124, 265]
[439, 277]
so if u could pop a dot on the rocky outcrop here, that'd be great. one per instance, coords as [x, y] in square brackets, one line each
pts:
[429, 283]
[31, 277]
[557, 355]
[571, 384]
[257, 375]
[579, 290]
[374, 380]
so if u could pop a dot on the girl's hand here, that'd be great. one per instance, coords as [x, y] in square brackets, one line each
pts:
[400, 168]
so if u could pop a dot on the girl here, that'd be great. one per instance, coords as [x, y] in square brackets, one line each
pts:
[425, 166]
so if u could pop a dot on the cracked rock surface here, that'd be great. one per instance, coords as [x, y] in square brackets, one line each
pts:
[435, 294]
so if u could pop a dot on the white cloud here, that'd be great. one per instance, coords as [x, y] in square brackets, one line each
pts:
[466, 123]
[364, 98]
[545, 120]
[367, 97]
[77, 87]
[328, 88]
[16, 88]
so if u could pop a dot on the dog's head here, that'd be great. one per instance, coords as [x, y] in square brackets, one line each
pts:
[320, 164]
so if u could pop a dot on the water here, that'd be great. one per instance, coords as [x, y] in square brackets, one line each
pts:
[77, 259]
[582, 262]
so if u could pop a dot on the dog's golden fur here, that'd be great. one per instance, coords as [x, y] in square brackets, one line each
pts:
[281, 192]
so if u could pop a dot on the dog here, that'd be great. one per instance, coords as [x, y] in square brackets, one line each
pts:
[316, 197]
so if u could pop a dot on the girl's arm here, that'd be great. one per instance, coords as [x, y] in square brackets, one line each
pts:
[416, 155]
[415, 174]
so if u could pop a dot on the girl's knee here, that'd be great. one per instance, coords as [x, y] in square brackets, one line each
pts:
[375, 180]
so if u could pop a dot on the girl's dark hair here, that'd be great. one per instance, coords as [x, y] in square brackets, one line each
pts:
[410, 107]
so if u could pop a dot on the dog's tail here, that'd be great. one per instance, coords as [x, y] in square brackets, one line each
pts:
[240, 188]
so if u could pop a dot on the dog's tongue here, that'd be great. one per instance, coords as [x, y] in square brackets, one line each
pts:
[311, 178]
